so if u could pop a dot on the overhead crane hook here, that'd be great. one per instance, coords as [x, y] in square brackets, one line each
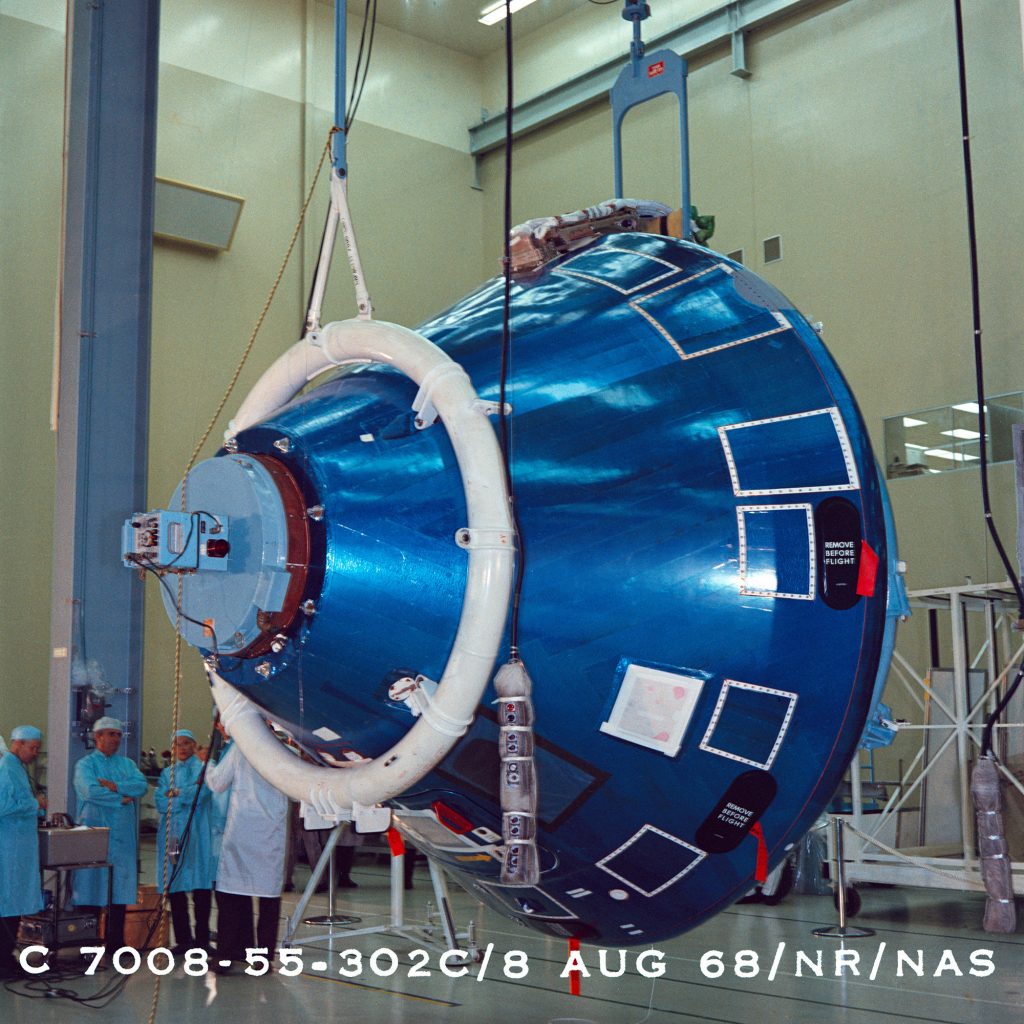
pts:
[636, 11]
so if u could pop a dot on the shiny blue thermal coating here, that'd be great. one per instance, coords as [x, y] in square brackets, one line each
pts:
[677, 429]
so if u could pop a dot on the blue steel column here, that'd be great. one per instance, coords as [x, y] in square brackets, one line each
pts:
[103, 407]
[340, 139]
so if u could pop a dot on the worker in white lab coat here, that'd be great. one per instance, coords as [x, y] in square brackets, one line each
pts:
[251, 858]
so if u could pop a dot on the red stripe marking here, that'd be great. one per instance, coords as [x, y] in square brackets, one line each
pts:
[395, 842]
[574, 975]
[867, 576]
[761, 868]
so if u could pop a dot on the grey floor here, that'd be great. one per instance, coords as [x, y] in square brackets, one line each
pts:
[938, 930]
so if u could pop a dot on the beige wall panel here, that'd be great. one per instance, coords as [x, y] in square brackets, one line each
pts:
[557, 169]
[414, 86]
[214, 134]
[29, 223]
[417, 218]
[256, 44]
[846, 142]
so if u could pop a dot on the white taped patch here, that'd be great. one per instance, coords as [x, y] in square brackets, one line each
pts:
[653, 708]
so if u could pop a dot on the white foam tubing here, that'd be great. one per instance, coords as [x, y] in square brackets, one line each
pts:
[280, 383]
[488, 575]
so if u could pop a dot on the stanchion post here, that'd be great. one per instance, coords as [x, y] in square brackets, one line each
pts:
[841, 931]
[837, 838]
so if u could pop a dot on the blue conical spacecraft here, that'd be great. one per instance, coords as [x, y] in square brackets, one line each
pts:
[707, 607]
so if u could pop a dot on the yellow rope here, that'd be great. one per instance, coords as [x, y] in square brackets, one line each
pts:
[263, 312]
[184, 486]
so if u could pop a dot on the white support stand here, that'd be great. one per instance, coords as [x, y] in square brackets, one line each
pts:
[338, 925]
[325, 863]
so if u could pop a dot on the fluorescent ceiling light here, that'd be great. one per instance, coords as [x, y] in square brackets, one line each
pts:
[941, 453]
[917, 447]
[964, 435]
[971, 407]
[496, 12]
[909, 421]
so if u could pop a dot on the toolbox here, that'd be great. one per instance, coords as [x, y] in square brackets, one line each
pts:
[60, 847]
[37, 930]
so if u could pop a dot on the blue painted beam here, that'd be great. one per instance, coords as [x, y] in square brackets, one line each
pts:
[339, 140]
[103, 408]
[661, 72]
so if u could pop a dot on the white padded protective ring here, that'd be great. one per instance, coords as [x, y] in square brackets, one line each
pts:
[488, 576]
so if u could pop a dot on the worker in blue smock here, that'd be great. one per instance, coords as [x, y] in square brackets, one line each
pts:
[108, 786]
[20, 889]
[184, 802]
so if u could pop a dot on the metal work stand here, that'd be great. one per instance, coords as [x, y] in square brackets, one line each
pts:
[396, 925]
[59, 871]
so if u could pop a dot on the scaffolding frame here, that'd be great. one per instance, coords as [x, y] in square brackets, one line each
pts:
[953, 865]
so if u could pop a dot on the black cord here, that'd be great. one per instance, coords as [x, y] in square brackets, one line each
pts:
[359, 63]
[359, 84]
[506, 345]
[209, 515]
[990, 722]
[979, 365]
[195, 517]
[366, 67]
[187, 831]
[155, 570]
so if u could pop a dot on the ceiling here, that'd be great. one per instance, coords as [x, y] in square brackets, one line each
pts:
[453, 23]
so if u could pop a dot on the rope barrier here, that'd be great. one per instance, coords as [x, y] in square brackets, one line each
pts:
[184, 487]
[957, 877]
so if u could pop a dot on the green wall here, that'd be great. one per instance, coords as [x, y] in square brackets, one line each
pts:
[30, 122]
